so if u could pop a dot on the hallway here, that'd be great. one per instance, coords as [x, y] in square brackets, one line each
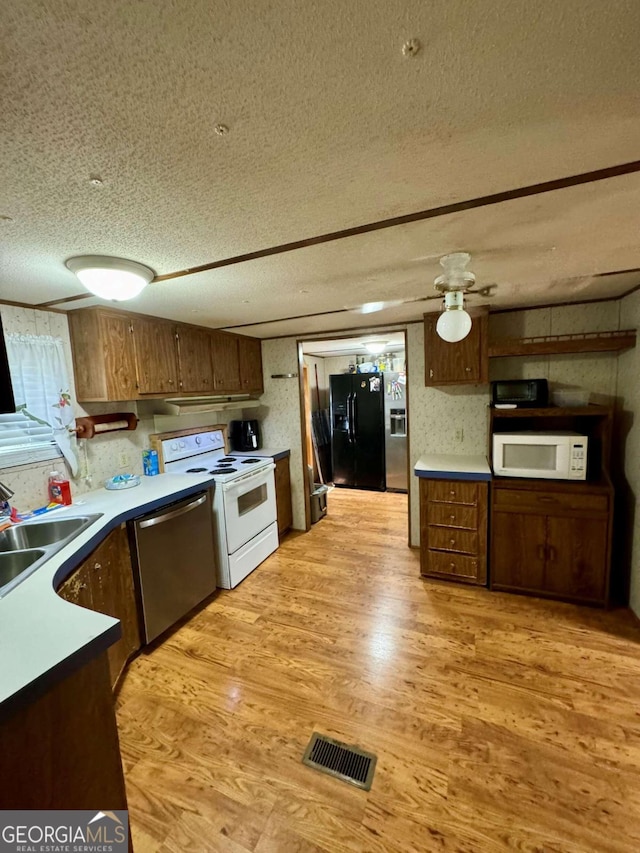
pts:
[499, 722]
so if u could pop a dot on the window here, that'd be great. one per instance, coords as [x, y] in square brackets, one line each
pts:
[37, 430]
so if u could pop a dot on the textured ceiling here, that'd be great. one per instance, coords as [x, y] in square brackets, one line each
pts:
[330, 127]
[395, 342]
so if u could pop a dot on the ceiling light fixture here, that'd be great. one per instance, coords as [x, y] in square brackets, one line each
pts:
[454, 324]
[375, 347]
[111, 278]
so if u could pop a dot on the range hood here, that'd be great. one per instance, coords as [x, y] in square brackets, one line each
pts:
[195, 405]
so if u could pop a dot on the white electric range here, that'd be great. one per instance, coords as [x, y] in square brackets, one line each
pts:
[244, 498]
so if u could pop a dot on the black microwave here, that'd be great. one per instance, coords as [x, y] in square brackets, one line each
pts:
[533, 393]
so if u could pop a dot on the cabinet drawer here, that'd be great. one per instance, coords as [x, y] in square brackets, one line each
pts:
[549, 501]
[452, 565]
[452, 515]
[452, 539]
[453, 491]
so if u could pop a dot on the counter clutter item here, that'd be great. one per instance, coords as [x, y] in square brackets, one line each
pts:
[122, 481]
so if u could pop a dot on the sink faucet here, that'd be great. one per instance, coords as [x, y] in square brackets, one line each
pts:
[5, 492]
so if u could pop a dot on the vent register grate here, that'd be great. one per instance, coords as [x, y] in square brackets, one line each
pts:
[345, 762]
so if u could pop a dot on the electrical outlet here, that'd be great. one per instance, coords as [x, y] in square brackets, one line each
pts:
[459, 434]
[123, 459]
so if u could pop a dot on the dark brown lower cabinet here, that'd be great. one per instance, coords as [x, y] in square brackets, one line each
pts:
[551, 542]
[62, 750]
[283, 495]
[453, 530]
[104, 582]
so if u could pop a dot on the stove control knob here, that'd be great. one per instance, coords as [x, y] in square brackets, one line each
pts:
[198, 439]
[212, 437]
[174, 445]
[182, 445]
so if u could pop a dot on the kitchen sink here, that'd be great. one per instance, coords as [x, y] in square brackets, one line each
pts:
[25, 547]
[13, 564]
[37, 534]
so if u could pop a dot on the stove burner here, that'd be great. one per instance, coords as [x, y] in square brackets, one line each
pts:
[223, 471]
[227, 459]
[249, 461]
[195, 470]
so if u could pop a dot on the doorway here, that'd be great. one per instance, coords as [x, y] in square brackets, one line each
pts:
[355, 407]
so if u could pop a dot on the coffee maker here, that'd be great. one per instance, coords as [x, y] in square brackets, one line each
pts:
[244, 435]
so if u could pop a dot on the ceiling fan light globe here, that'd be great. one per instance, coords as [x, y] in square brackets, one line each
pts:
[453, 325]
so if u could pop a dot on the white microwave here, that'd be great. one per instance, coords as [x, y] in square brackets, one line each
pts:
[548, 455]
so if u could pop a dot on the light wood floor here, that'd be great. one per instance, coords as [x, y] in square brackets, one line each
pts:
[500, 722]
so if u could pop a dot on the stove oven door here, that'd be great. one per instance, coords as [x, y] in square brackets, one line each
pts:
[249, 506]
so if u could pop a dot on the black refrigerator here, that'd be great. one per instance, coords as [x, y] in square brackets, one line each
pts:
[357, 430]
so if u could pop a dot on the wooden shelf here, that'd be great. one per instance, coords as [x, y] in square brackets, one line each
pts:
[564, 344]
[592, 410]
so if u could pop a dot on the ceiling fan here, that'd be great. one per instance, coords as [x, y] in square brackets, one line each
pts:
[455, 279]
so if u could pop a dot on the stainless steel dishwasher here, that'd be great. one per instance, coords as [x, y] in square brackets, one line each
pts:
[175, 560]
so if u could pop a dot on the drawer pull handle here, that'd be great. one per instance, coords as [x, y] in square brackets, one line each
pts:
[541, 553]
[452, 517]
[552, 554]
[452, 541]
[452, 565]
[547, 499]
[452, 493]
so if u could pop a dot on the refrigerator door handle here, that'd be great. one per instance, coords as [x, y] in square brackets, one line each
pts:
[354, 415]
[350, 417]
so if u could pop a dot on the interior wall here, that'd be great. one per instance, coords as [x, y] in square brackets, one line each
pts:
[279, 414]
[628, 391]
[435, 414]
[596, 372]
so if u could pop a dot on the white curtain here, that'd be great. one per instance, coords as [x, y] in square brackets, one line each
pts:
[41, 389]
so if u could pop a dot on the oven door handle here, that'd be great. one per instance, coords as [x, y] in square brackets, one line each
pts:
[249, 478]
[174, 513]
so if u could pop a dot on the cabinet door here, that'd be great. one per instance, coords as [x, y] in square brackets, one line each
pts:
[225, 362]
[156, 361]
[104, 582]
[250, 354]
[454, 364]
[119, 357]
[103, 355]
[518, 551]
[194, 360]
[577, 551]
[283, 495]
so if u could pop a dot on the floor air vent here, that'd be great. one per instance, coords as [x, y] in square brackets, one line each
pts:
[340, 760]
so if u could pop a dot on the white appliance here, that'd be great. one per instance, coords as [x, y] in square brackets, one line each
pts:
[548, 455]
[244, 499]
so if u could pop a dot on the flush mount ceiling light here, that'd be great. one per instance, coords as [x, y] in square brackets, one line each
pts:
[375, 347]
[454, 324]
[111, 278]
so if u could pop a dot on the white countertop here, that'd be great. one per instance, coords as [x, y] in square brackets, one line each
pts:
[272, 452]
[452, 466]
[43, 638]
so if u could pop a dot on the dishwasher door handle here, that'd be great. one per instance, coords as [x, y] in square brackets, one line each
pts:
[174, 513]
